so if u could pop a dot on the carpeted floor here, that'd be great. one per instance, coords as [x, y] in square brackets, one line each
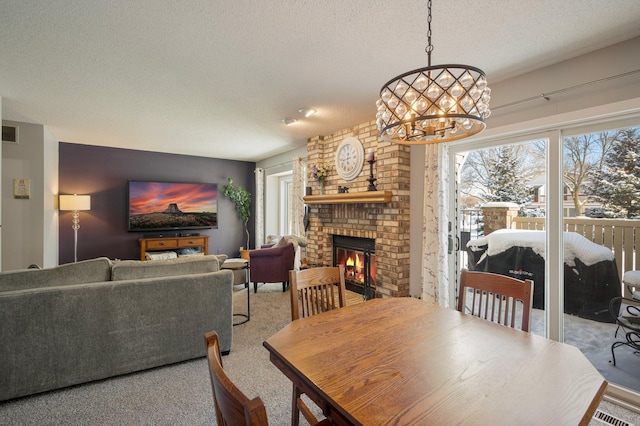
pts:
[180, 394]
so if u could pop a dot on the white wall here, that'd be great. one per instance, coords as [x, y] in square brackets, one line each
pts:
[30, 233]
[271, 205]
[50, 200]
[599, 65]
[23, 234]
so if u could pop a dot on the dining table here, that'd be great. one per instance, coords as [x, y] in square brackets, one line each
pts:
[406, 361]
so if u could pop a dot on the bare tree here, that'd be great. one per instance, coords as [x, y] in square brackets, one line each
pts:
[583, 155]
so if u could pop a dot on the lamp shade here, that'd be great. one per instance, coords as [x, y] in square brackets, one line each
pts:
[75, 202]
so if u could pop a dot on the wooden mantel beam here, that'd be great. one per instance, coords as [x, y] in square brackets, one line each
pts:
[350, 198]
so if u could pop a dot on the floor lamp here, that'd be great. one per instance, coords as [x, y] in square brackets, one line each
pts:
[75, 203]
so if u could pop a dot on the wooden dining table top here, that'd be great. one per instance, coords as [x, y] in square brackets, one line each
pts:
[406, 361]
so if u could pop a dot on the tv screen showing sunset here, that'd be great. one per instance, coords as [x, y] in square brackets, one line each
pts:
[170, 205]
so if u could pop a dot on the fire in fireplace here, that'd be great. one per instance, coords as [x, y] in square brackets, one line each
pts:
[357, 255]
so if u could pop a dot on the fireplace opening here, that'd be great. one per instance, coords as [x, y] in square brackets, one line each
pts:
[357, 255]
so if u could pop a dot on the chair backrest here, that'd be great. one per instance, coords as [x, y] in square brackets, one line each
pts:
[626, 312]
[317, 290]
[232, 406]
[494, 297]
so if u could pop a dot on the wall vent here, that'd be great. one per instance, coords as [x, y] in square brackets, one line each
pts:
[10, 134]
[608, 419]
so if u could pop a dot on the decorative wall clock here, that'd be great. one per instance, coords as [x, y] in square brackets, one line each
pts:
[349, 158]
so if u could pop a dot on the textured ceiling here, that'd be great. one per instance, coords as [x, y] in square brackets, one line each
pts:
[215, 77]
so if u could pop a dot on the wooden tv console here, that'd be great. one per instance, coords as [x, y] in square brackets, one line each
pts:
[172, 243]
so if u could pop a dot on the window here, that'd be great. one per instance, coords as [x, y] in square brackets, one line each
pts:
[278, 209]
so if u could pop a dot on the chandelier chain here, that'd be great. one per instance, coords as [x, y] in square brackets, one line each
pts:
[429, 47]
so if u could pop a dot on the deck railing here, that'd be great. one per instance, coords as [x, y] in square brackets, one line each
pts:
[622, 236]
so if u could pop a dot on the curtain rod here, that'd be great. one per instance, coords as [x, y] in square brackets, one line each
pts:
[547, 96]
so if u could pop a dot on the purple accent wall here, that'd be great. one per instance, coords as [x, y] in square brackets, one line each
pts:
[103, 173]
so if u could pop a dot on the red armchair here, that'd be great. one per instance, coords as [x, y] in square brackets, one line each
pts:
[271, 265]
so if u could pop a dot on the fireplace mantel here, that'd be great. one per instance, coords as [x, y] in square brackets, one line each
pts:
[350, 198]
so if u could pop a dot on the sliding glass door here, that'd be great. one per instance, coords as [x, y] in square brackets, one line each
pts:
[500, 192]
[602, 230]
[582, 199]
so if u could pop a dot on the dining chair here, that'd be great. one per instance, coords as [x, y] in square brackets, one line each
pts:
[313, 291]
[232, 406]
[495, 298]
[626, 313]
[317, 290]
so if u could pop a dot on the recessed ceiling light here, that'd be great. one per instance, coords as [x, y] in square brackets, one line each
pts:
[289, 121]
[307, 112]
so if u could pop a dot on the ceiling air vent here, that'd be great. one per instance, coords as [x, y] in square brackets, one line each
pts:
[9, 134]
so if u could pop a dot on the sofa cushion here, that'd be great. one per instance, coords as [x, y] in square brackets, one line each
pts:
[136, 269]
[85, 271]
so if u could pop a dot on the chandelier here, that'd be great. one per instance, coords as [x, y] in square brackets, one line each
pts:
[434, 104]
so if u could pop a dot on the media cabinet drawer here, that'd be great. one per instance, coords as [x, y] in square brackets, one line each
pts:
[171, 243]
[164, 244]
[191, 242]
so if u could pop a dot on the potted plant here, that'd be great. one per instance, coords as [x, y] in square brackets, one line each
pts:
[242, 200]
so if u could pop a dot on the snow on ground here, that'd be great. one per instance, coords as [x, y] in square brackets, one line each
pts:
[575, 245]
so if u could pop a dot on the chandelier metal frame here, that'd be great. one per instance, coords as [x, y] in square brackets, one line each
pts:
[433, 104]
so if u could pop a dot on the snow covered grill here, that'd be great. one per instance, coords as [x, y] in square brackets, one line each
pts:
[590, 272]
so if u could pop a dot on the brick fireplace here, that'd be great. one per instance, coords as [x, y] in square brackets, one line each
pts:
[386, 223]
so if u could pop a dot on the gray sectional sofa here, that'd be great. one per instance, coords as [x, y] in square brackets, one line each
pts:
[95, 319]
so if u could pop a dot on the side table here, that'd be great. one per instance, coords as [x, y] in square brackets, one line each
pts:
[240, 269]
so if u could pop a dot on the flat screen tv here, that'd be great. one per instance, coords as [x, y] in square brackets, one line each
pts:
[172, 206]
